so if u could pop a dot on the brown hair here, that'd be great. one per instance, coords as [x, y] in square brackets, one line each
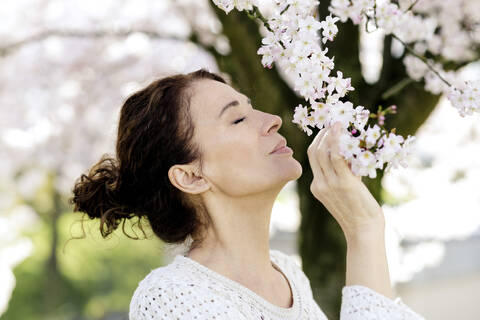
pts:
[155, 132]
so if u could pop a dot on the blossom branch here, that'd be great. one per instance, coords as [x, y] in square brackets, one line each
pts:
[409, 48]
[307, 63]
[425, 60]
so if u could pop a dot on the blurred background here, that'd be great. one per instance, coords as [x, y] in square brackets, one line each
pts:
[67, 66]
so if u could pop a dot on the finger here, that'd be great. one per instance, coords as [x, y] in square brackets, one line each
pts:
[338, 162]
[318, 137]
[316, 169]
[323, 157]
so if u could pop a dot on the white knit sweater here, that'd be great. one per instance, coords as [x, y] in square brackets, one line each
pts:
[186, 289]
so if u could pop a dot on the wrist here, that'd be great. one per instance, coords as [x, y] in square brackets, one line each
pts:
[373, 233]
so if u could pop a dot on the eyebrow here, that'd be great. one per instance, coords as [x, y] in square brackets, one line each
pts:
[232, 104]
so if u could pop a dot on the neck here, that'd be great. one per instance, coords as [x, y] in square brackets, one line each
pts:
[238, 242]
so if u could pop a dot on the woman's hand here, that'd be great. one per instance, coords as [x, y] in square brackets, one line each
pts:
[339, 190]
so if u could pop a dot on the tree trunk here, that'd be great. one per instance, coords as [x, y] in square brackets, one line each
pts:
[54, 280]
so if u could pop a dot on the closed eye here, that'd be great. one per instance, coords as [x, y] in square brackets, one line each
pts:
[239, 120]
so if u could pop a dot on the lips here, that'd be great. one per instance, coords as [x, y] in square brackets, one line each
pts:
[280, 145]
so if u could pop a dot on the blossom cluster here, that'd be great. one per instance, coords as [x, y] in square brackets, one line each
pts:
[240, 5]
[467, 99]
[448, 29]
[293, 42]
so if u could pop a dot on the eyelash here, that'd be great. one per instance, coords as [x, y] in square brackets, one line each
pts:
[239, 120]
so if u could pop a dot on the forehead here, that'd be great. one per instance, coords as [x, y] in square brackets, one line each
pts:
[209, 96]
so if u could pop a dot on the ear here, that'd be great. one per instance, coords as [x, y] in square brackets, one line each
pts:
[185, 178]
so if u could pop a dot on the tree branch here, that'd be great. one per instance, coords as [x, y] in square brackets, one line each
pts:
[89, 34]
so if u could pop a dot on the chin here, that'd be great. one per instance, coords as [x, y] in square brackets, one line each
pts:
[294, 170]
[299, 171]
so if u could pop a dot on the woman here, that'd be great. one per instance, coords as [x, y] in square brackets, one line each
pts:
[199, 162]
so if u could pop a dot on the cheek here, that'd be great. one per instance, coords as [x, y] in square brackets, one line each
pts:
[233, 161]
[239, 168]
[233, 156]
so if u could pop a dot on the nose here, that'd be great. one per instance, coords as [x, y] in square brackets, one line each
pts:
[273, 124]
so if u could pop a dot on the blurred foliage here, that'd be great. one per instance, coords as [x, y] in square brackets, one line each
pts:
[97, 276]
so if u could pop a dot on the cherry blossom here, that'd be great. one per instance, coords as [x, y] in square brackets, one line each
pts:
[329, 28]
[292, 42]
[445, 28]
[372, 135]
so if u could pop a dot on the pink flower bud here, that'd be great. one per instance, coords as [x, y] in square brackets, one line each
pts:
[381, 120]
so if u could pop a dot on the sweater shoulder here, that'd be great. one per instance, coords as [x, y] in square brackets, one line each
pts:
[164, 291]
[170, 276]
[172, 293]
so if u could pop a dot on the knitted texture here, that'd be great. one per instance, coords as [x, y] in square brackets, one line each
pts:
[360, 302]
[186, 289]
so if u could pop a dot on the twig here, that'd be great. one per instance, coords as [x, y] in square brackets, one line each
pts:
[255, 13]
[396, 88]
[410, 49]
[286, 8]
[412, 5]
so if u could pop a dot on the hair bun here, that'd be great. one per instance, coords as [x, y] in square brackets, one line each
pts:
[95, 194]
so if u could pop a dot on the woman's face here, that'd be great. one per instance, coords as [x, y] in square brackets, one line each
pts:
[237, 140]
